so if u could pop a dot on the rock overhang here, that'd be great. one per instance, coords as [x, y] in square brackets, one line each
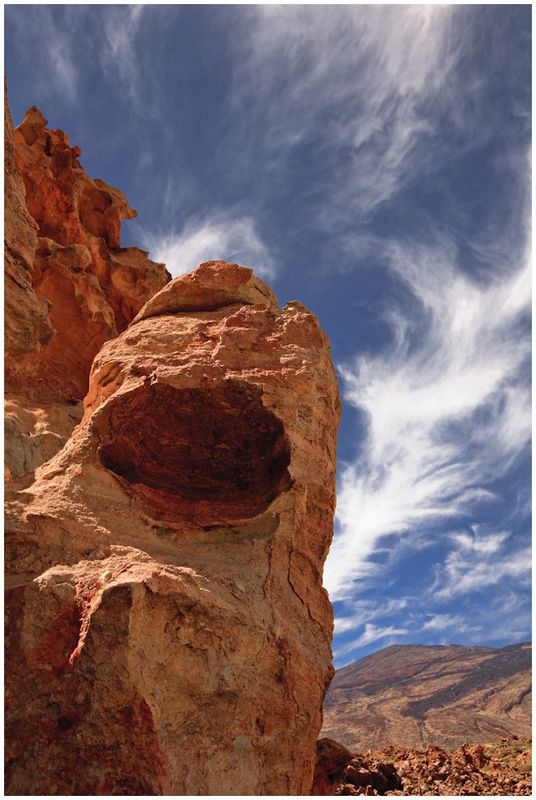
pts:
[202, 455]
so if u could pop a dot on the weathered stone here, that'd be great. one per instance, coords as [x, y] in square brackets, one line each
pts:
[168, 630]
[75, 287]
[332, 759]
[505, 769]
[212, 285]
[34, 433]
[27, 326]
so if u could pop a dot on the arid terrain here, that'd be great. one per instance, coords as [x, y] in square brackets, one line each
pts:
[412, 696]
[503, 768]
[419, 720]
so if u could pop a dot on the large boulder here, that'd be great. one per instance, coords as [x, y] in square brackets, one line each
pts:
[168, 632]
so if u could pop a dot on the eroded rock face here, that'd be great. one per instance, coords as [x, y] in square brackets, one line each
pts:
[27, 321]
[168, 630]
[70, 285]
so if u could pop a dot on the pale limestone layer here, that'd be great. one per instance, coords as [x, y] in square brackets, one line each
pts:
[169, 633]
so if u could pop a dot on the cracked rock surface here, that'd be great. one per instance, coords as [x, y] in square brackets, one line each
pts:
[168, 632]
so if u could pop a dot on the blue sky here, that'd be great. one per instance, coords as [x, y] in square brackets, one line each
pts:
[372, 162]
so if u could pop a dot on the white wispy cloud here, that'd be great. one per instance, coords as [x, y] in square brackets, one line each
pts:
[356, 82]
[127, 62]
[442, 623]
[479, 561]
[447, 406]
[364, 611]
[121, 25]
[372, 633]
[50, 43]
[219, 236]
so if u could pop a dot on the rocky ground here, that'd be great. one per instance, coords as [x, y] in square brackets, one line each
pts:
[503, 768]
[492, 769]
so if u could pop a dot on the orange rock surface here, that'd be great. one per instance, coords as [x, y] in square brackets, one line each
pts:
[72, 287]
[27, 326]
[168, 631]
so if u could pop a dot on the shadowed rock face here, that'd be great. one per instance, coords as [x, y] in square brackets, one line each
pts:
[168, 630]
[218, 449]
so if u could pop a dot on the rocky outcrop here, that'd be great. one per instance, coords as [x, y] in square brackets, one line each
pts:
[168, 632]
[68, 288]
[27, 325]
[416, 695]
[503, 768]
[70, 285]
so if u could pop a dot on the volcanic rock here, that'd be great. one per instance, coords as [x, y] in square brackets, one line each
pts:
[212, 285]
[332, 759]
[502, 768]
[27, 322]
[168, 632]
[72, 287]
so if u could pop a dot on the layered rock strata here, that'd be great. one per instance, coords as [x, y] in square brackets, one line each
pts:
[415, 695]
[168, 631]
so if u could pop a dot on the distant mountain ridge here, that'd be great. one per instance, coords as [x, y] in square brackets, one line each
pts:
[416, 695]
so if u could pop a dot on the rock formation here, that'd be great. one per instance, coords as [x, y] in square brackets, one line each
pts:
[330, 774]
[71, 286]
[168, 632]
[27, 320]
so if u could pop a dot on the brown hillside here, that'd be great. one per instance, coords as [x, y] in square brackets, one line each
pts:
[415, 695]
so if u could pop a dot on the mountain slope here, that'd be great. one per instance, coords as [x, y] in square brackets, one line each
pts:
[416, 695]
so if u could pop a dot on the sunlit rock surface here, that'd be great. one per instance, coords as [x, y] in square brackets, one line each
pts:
[70, 285]
[168, 632]
[27, 326]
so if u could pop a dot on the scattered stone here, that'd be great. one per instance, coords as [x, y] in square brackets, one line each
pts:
[502, 769]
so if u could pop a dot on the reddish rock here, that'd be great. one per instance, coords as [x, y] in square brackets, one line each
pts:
[332, 759]
[68, 287]
[76, 275]
[168, 630]
[27, 326]
[483, 770]
[212, 285]
[33, 433]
